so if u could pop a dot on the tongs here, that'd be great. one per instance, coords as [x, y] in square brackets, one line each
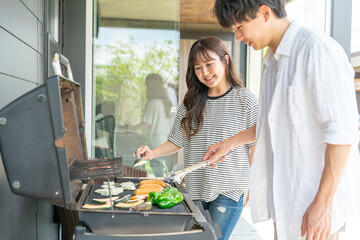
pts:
[177, 176]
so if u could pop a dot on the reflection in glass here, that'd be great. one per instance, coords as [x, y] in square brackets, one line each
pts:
[53, 19]
[136, 79]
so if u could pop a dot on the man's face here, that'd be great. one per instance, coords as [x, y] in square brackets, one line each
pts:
[252, 32]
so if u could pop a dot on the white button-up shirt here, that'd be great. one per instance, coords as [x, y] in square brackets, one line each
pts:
[309, 100]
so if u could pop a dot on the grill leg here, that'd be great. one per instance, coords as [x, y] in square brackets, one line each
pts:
[68, 220]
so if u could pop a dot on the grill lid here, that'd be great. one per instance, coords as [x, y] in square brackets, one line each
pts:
[41, 135]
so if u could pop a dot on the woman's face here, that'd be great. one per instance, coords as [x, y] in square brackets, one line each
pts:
[211, 72]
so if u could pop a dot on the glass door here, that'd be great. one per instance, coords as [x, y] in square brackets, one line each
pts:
[135, 69]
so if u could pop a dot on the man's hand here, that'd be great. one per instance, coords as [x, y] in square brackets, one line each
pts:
[316, 223]
[317, 218]
[217, 152]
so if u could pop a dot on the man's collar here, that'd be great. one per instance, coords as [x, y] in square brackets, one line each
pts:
[287, 40]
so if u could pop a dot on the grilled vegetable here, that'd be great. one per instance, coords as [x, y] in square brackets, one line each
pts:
[124, 199]
[104, 200]
[105, 191]
[143, 207]
[132, 201]
[107, 205]
[128, 185]
[153, 197]
[168, 198]
[139, 197]
[128, 205]
[111, 183]
[107, 186]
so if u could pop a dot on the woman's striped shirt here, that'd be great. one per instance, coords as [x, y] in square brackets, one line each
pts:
[224, 116]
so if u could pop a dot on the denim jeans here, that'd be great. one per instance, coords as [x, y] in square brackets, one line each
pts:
[226, 212]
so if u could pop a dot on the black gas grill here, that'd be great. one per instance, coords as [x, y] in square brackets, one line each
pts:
[43, 148]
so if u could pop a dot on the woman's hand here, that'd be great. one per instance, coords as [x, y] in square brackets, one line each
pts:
[144, 152]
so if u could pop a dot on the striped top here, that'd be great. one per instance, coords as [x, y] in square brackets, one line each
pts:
[224, 116]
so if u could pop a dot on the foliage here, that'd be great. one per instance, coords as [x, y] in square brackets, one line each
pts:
[122, 79]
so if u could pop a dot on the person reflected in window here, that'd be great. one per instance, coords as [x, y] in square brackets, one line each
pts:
[216, 106]
[157, 119]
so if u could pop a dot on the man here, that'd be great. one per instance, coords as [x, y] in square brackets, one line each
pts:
[306, 168]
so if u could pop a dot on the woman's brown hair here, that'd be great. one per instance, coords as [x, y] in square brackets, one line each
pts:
[196, 96]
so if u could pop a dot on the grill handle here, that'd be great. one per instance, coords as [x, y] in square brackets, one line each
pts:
[59, 60]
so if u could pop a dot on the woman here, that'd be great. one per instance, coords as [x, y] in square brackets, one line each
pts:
[216, 107]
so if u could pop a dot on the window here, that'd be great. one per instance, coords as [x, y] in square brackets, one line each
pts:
[136, 74]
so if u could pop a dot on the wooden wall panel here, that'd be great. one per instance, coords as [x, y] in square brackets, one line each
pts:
[199, 11]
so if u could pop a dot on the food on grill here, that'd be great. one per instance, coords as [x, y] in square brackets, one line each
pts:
[111, 183]
[128, 185]
[139, 197]
[167, 198]
[153, 186]
[145, 191]
[124, 199]
[153, 181]
[143, 207]
[106, 205]
[106, 192]
[104, 200]
[128, 205]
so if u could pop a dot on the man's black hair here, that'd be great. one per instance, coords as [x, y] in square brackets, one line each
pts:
[229, 12]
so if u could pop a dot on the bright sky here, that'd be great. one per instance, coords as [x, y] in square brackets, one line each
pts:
[110, 36]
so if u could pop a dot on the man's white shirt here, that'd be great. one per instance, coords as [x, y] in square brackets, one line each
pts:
[307, 99]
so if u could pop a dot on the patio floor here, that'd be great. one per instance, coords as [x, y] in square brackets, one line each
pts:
[246, 230]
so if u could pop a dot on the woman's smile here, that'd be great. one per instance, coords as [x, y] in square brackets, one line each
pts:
[208, 79]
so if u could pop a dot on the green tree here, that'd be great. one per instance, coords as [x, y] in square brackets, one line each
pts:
[122, 79]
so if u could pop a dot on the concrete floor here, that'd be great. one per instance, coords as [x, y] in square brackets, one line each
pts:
[246, 230]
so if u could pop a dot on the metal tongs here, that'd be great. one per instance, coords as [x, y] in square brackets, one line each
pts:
[177, 176]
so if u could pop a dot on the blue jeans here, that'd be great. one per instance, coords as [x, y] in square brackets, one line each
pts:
[226, 212]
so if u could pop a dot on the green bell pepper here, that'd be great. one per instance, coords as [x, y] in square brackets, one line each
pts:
[153, 197]
[167, 198]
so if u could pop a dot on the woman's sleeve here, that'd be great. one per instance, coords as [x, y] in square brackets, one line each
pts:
[177, 134]
[332, 94]
[251, 111]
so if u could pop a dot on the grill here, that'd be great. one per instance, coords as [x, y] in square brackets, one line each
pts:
[42, 143]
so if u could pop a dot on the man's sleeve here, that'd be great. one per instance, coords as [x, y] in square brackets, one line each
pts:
[332, 93]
